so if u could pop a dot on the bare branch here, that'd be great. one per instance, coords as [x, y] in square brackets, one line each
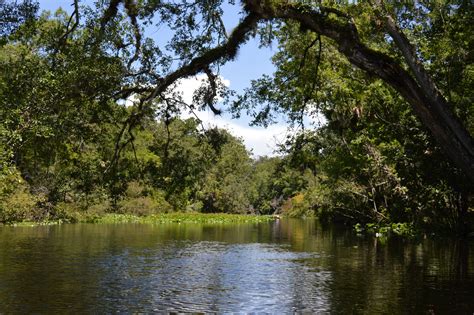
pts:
[211, 95]
[189, 107]
[131, 8]
[70, 28]
[109, 13]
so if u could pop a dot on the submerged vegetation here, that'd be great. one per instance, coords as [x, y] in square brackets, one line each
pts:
[91, 124]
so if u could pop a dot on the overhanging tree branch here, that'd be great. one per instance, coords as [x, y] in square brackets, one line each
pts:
[226, 51]
[429, 105]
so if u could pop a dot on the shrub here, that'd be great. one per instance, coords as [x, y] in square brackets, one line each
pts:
[140, 201]
[16, 202]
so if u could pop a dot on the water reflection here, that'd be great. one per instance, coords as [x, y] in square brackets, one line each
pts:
[283, 266]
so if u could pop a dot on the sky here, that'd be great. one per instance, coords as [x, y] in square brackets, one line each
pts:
[251, 63]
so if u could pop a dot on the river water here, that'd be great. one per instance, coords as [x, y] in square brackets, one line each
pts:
[277, 267]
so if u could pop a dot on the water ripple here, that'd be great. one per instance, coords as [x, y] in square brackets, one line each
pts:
[216, 277]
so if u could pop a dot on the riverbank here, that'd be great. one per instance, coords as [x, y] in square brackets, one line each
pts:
[177, 217]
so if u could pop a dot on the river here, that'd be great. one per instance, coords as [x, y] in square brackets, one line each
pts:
[283, 266]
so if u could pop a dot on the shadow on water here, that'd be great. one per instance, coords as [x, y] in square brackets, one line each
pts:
[281, 266]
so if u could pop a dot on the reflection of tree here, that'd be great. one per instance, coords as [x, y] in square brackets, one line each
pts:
[399, 277]
[40, 268]
[372, 275]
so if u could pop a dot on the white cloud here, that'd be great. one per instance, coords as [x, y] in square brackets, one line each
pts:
[261, 141]
[130, 101]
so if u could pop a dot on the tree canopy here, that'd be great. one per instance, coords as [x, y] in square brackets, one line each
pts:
[368, 34]
[393, 80]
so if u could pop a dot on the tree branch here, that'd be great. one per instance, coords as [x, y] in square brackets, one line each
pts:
[109, 13]
[227, 51]
[130, 6]
[211, 95]
[70, 28]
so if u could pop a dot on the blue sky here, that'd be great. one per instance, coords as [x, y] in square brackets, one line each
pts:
[251, 63]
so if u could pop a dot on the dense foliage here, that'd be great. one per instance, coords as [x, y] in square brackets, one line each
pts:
[394, 147]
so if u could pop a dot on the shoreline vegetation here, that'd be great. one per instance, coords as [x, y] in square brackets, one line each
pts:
[162, 218]
[382, 231]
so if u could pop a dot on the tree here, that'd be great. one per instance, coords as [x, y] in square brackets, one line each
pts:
[57, 117]
[225, 187]
[401, 65]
